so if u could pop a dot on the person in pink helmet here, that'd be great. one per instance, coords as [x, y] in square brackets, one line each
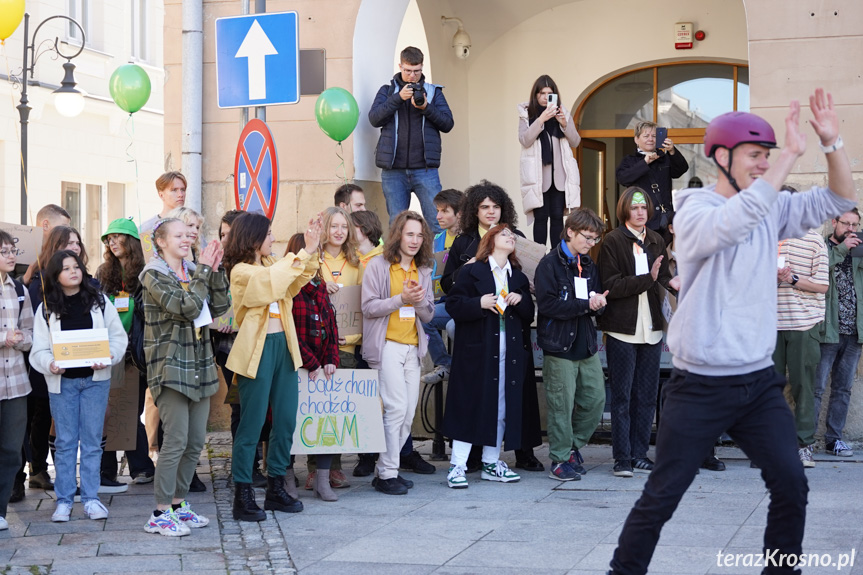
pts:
[724, 331]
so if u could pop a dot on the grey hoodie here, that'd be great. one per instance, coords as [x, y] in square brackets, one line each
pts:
[725, 323]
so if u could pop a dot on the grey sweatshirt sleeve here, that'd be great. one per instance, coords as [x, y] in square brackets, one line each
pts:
[803, 211]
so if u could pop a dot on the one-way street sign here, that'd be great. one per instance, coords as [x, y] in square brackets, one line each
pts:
[257, 60]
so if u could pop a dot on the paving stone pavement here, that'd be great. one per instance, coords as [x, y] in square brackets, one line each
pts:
[535, 526]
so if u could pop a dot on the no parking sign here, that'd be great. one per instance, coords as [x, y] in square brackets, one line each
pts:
[256, 170]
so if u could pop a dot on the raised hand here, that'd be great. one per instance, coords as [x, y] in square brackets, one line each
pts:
[208, 255]
[313, 234]
[654, 269]
[795, 142]
[825, 123]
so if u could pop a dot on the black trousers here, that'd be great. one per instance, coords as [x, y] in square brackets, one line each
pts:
[553, 204]
[696, 409]
[36, 434]
[633, 376]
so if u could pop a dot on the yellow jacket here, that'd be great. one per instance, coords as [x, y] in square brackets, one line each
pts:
[253, 289]
[375, 251]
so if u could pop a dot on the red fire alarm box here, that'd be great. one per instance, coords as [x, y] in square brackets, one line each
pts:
[683, 35]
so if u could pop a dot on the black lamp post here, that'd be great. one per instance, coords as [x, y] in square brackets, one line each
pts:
[66, 90]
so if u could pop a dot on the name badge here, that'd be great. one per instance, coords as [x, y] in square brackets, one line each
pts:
[274, 309]
[581, 288]
[407, 313]
[340, 285]
[121, 302]
[780, 263]
[501, 304]
[641, 266]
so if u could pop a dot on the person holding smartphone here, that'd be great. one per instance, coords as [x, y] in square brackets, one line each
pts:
[652, 167]
[550, 181]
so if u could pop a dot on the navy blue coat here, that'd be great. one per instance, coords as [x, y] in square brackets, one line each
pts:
[471, 401]
[385, 112]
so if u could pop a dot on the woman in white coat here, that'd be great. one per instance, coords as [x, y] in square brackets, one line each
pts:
[78, 395]
[550, 182]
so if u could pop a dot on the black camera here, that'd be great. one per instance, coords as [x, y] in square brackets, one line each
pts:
[419, 93]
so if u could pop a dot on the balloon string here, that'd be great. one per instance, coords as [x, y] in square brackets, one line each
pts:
[130, 131]
[18, 135]
[340, 155]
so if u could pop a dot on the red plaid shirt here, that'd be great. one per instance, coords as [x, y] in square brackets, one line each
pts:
[317, 332]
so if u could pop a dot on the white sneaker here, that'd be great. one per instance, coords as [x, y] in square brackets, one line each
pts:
[439, 374]
[805, 454]
[95, 510]
[499, 471]
[62, 513]
[4, 525]
[455, 478]
[189, 518]
[166, 524]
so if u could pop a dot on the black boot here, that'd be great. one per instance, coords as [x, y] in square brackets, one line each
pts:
[278, 499]
[245, 508]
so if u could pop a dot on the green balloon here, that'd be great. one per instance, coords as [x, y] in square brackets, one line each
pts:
[337, 113]
[130, 87]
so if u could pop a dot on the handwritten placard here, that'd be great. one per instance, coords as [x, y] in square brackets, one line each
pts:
[226, 320]
[341, 414]
[349, 314]
[529, 254]
[27, 239]
[147, 245]
[439, 265]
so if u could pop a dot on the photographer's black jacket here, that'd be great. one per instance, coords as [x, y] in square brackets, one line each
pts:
[561, 316]
[410, 138]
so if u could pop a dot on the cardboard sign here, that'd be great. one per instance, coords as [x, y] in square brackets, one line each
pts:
[529, 254]
[341, 414]
[226, 320]
[439, 265]
[121, 423]
[147, 245]
[349, 314]
[81, 347]
[27, 239]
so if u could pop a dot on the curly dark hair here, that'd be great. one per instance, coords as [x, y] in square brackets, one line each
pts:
[55, 299]
[247, 236]
[112, 276]
[57, 240]
[473, 197]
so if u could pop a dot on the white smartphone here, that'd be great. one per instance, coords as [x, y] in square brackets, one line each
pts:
[551, 100]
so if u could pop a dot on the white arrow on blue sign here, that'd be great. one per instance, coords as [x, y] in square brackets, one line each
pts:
[258, 60]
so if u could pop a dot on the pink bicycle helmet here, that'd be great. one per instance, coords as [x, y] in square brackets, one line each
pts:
[734, 128]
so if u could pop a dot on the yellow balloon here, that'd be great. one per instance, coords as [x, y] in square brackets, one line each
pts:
[11, 13]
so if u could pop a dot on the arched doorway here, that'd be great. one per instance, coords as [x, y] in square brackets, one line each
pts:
[682, 96]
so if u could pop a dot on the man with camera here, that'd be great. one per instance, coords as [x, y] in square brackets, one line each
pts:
[411, 114]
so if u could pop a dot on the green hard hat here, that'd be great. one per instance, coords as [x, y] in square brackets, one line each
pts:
[122, 226]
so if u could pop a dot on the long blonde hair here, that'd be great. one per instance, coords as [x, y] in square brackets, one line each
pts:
[349, 248]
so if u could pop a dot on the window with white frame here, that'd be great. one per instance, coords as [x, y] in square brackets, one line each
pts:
[78, 10]
[140, 24]
[72, 202]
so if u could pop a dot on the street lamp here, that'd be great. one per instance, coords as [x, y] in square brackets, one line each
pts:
[67, 99]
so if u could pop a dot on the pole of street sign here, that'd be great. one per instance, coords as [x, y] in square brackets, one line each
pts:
[261, 111]
[245, 110]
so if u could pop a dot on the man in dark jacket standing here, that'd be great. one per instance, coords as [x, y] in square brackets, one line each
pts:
[652, 170]
[411, 114]
[567, 294]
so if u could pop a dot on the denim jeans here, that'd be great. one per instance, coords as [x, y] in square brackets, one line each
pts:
[696, 409]
[398, 185]
[838, 360]
[79, 415]
[437, 350]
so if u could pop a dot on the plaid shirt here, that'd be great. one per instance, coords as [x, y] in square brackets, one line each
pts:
[317, 332]
[176, 356]
[15, 382]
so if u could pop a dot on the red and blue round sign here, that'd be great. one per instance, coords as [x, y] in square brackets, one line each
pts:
[256, 170]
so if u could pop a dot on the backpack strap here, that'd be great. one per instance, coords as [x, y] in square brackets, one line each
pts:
[19, 289]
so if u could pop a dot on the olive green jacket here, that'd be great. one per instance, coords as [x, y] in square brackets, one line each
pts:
[828, 330]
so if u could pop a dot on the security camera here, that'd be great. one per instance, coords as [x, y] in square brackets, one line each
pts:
[461, 40]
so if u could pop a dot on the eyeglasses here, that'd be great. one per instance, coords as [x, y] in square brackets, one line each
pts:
[10, 252]
[849, 224]
[409, 72]
[590, 240]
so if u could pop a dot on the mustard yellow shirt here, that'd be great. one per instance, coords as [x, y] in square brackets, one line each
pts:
[365, 259]
[450, 238]
[397, 330]
[482, 231]
[341, 271]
